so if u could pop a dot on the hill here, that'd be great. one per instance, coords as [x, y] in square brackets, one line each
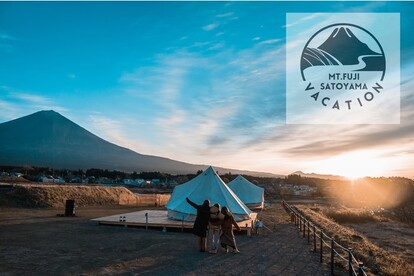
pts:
[321, 176]
[48, 139]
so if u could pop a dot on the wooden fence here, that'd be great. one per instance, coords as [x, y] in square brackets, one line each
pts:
[327, 244]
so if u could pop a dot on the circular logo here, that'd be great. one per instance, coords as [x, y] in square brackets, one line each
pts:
[343, 66]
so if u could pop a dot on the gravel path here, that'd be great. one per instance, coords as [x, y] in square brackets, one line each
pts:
[36, 242]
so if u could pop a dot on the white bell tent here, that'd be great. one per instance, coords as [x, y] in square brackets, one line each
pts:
[207, 185]
[250, 194]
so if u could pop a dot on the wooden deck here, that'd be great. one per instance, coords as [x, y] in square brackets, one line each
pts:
[159, 219]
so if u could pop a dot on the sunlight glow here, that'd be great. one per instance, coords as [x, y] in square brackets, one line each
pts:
[356, 164]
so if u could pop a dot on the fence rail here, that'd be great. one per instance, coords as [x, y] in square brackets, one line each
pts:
[341, 253]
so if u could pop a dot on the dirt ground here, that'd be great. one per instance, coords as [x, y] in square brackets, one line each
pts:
[37, 242]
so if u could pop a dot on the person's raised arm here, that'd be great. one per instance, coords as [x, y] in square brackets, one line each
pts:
[191, 203]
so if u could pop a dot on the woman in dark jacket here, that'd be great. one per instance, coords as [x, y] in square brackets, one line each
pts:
[201, 222]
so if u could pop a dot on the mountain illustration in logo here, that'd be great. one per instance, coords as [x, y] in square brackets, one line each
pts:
[342, 47]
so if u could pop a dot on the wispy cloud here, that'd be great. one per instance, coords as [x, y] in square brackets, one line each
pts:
[205, 100]
[109, 129]
[6, 41]
[210, 27]
[16, 103]
[6, 37]
[8, 111]
[269, 41]
[31, 98]
[227, 14]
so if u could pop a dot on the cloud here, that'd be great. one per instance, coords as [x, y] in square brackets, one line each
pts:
[109, 128]
[210, 27]
[269, 41]
[16, 103]
[227, 14]
[6, 37]
[207, 99]
[8, 111]
[117, 129]
[231, 103]
[31, 98]
[6, 41]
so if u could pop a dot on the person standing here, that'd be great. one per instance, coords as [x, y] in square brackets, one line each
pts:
[214, 227]
[227, 237]
[201, 222]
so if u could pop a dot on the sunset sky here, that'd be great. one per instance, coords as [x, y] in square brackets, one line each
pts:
[199, 82]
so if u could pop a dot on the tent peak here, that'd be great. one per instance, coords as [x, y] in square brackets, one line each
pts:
[210, 169]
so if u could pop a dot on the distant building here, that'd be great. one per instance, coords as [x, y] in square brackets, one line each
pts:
[299, 190]
[139, 182]
[172, 183]
[51, 179]
[127, 181]
[16, 174]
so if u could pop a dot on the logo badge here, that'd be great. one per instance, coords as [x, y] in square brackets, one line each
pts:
[343, 74]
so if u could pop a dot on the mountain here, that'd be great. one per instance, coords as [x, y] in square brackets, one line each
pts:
[48, 139]
[342, 47]
[345, 46]
[321, 176]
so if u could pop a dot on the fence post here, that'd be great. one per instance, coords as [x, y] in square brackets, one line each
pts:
[350, 273]
[308, 232]
[304, 226]
[321, 260]
[300, 223]
[332, 256]
[360, 269]
[146, 221]
[314, 238]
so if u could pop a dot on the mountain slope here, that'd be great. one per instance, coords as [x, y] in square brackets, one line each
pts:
[48, 139]
[345, 46]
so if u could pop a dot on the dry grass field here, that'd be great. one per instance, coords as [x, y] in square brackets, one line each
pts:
[385, 246]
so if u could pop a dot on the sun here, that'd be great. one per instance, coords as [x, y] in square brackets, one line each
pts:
[355, 164]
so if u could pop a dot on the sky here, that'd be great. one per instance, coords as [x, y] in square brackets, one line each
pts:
[199, 82]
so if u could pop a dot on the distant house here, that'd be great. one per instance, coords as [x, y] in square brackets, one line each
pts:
[155, 181]
[139, 182]
[46, 179]
[172, 183]
[16, 174]
[127, 181]
[77, 180]
[104, 181]
[304, 190]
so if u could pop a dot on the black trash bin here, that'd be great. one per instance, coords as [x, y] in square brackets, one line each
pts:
[70, 207]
